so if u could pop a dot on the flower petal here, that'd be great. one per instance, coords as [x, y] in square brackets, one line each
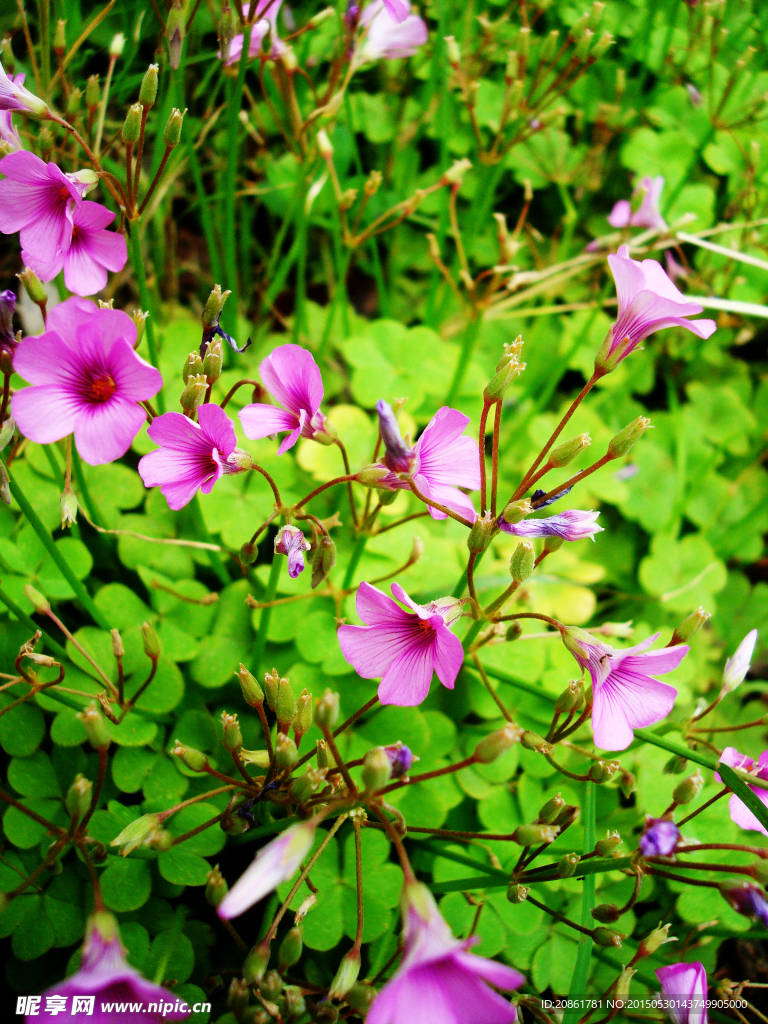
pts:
[261, 420]
[104, 432]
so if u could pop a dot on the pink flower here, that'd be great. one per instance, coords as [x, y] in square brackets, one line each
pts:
[191, 457]
[390, 36]
[686, 983]
[86, 378]
[400, 648]
[105, 973]
[8, 341]
[265, 21]
[438, 980]
[647, 215]
[572, 524]
[292, 376]
[10, 140]
[290, 541]
[648, 302]
[35, 199]
[624, 694]
[91, 252]
[674, 269]
[441, 461]
[399, 9]
[740, 813]
[274, 863]
[13, 96]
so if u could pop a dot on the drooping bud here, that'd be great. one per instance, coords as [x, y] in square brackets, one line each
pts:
[532, 741]
[608, 937]
[148, 90]
[517, 893]
[78, 798]
[736, 668]
[522, 561]
[535, 834]
[195, 760]
[95, 725]
[286, 753]
[302, 721]
[688, 789]
[675, 765]
[271, 684]
[175, 28]
[68, 507]
[172, 133]
[323, 560]
[376, 771]
[605, 847]
[551, 809]
[626, 439]
[401, 759]
[346, 975]
[215, 887]
[253, 695]
[232, 736]
[514, 632]
[151, 641]
[360, 997]
[290, 949]
[567, 452]
[256, 963]
[327, 710]
[132, 125]
[606, 913]
[497, 743]
[567, 865]
[136, 834]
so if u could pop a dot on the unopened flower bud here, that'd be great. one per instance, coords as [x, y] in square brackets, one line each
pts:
[175, 27]
[92, 93]
[172, 133]
[514, 632]
[601, 771]
[373, 183]
[213, 361]
[607, 937]
[324, 757]
[360, 997]
[327, 710]
[151, 642]
[377, 769]
[195, 760]
[605, 847]
[626, 439]
[271, 684]
[68, 507]
[602, 46]
[675, 765]
[136, 834]
[285, 705]
[232, 736]
[117, 45]
[655, 940]
[516, 511]
[286, 753]
[567, 865]
[551, 809]
[535, 834]
[688, 789]
[572, 697]
[736, 668]
[253, 694]
[36, 599]
[290, 949]
[272, 985]
[304, 786]
[522, 561]
[455, 174]
[567, 452]
[295, 1004]
[118, 649]
[689, 627]
[148, 90]
[302, 720]
[321, 16]
[532, 741]
[324, 145]
[497, 743]
[132, 125]
[59, 38]
[33, 287]
[480, 535]
[549, 46]
[517, 893]
[95, 726]
[256, 963]
[215, 887]
[8, 428]
[213, 308]
[346, 975]
[140, 319]
[606, 913]
[371, 476]
[453, 51]
[323, 560]
[78, 798]
[584, 44]
[238, 996]
[569, 814]
[194, 393]
[248, 553]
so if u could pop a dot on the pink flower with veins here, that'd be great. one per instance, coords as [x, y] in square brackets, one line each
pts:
[648, 302]
[685, 989]
[440, 462]
[292, 376]
[648, 214]
[10, 140]
[401, 648]
[438, 980]
[399, 9]
[191, 457]
[265, 21]
[86, 378]
[91, 252]
[740, 813]
[35, 199]
[624, 694]
[388, 36]
[13, 96]
[105, 973]
[573, 524]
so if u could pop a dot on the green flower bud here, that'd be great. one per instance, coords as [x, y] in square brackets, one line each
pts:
[325, 1013]
[346, 975]
[535, 834]
[248, 553]
[524, 40]
[272, 985]
[304, 786]
[360, 997]
[271, 684]
[517, 511]
[689, 627]
[567, 452]
[194, 393]
[508, 369]
[551, 809]
[601, 47]
[148, 90]
[480, 535]
[584, 44]
[517, 893]
[327, 710]
[285, 707]
[36, 599]
[566, 817]
[33, 287]
[572, 697]
[626, 439]
[253, 695]
[549, 46]
[514, 632]
[95, 726]
[213, 308]
[151, 642]
[8, 428]
[295, 1006]
[601, 771]
[286, 753]
[370, 476]
[608, 937]
[92, 93]
[193, 367]
[302, 721]
[605, 847]
[497, 743]
[453, 51]
[132, 125]
[136, 834]
[657, 938]
[290, 949]
[215, 887]
[212, 363]
[161, 840]
[323, 560]
[376, 773]
[226, 29]
[579, 27]
[256, 963]
[606, 913]
[238, 996]
[232, 737]
[324, 145]
[59, 38]
[68, 508]
[689, 788]
[453, 176]
[175, 27]
[195, 760]
[324, 757]
[567, 865]
[522, 561]
[117, 45]
[172, 133]
[140, 319]
[532, 741]
[78, 798]
[675, 765]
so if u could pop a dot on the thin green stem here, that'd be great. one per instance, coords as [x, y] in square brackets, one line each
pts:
[266, 614]
[584, 952]
[134, 244]
[230, 182]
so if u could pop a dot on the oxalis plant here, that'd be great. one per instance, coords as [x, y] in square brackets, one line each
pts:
[234, 790]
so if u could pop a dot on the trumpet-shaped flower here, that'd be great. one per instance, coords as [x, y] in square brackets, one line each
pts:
[625, 694]
[274, 863]
[438, 980]
[13, 96]
[740, 813]
[292, 376]
[35, 200]
[647, 215]
[403, 648]
[441, 461]
[90, 253]
[191, 457]
[572, 524]
[291, 541]
[389, 36]
[86, 378]
[105, 973]
[684, 987]
[648, 302]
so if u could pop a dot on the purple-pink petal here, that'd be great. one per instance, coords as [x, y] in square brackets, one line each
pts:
[448, 656]
[292, 376]
[406, 681]
[399, 9]
[261, 420]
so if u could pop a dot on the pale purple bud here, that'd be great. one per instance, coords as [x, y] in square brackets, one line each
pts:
[399, 457]
[660, 837]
